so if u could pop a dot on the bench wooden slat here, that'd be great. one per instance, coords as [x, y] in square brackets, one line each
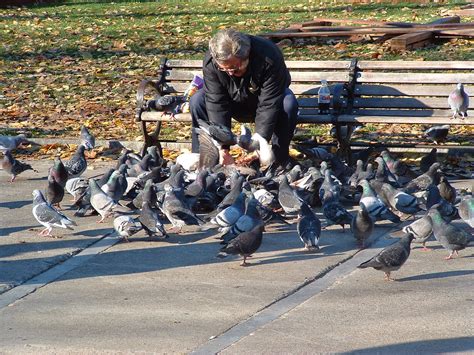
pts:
[298, 89]
[291, 64]
[444, 78]
[403, 113]
[384, 119]
[407, 90]
[416, 65]
[299, 76]
[395, 102]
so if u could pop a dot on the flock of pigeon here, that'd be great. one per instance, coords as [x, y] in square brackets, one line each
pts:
[142, 192]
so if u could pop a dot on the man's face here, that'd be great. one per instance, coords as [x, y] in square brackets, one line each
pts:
[233, 66]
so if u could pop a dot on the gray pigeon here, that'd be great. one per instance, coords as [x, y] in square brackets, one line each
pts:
[59, 172]
[87, 139]
[391, 258]
[115, 186]
[309, 228]
[222, 134]
[9, 143]
[314, 153]
[428, 160]
[294, 174]
[423, 181]
[54, 192]
[76, 187]
[399, 200]
[151, 221]
[437, 134]
[374, 205]
[208, 150]
[245, 139]
[458, 100]
[14, 167]
[177, 211]
[245, 223]
[329, 188]
[126, 226]
[228, 216]
[353, 180]
[77, 164]
[449, 236]
[362, 226]
[47, 215]
[466, 210]
[102, 203]
[403, 174]
[288, 198]
[244, 244]
[335, 213]
[168, 104]
[447, 210]
[446, 190]
[421, 230]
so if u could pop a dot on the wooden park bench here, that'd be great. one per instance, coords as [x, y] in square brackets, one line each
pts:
[389, 92]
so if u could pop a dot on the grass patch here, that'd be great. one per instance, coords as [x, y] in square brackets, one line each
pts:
[81, 61]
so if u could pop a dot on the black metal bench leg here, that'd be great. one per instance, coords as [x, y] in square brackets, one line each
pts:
[151, 139]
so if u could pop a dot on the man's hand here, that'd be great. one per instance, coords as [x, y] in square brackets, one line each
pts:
[225, 158]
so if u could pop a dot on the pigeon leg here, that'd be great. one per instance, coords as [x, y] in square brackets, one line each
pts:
[343, 228]
[387, 277]
[450, 256]
[42, 232]
[425, 248]
[102, 219]
[12, 178]
[244, 263]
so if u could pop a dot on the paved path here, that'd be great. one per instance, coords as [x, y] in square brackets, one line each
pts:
[86, 293]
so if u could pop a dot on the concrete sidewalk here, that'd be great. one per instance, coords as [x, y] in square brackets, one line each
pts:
[174, 296]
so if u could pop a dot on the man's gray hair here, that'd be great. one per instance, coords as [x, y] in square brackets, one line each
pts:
[229, 43]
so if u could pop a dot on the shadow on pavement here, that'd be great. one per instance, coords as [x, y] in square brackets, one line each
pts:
[5, 232]
[15, 204]
[438, 275]
[423, 346]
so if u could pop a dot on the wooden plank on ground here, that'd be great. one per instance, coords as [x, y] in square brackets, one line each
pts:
[411, 40]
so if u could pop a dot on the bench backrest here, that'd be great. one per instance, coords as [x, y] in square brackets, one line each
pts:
[413, 89]
[306, 78]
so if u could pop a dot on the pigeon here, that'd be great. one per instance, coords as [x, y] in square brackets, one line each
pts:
[391, 258]
[77, 164]
[245, 223]
[421, 229]
[423, 181]
[176, 210]
[399, 200]
[208, 150]
[59, 172]
[76, 186]
[383, 173]
[447, 210]
[222, 134]
[449, 236]
[244, 244]
[329, 188]
[8, 143]
[458, 100]
[264, 151]
[151, 222]
[374, 205]
[335, 213]
[115, 186]
[309, 228]
[294, 174]
[288, 198]
[227, 217]
[437, 134]
[354, 179]
[362, 226]
[54, 192]
[315, 153]
[447, 191]
[245, 139]
[126, 226]
[428, 160]
[14, 167]
[403, 174]
[168, 104]
[140, 167]
[233, 194]
[466, 210]
[101, 202]
[87, 139]
[48, 216]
